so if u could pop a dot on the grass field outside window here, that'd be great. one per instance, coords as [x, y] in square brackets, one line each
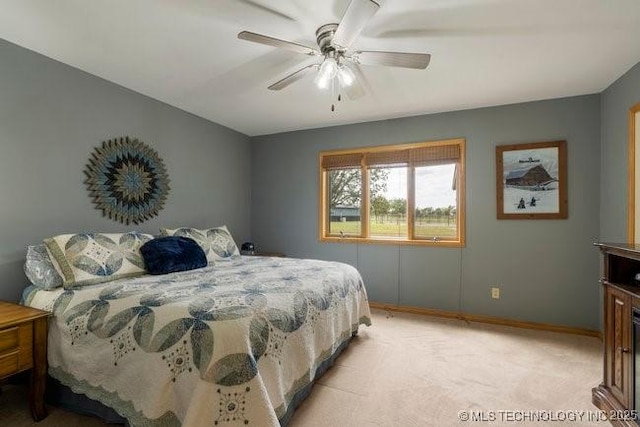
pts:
[397, 229]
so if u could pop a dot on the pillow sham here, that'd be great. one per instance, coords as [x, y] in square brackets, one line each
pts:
[172, 253]
[216, 243]
[89, 258]
[39, 269]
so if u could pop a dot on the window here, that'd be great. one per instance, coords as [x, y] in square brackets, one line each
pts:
[405, 194]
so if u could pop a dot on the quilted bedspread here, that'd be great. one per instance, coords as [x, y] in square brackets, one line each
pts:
[228, 345]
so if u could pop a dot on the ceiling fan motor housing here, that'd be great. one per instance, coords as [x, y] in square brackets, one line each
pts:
[324, 37]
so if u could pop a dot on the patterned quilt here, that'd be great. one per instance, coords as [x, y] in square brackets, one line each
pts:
[228, 345]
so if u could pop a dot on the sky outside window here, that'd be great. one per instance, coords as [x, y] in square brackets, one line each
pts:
[437, 193]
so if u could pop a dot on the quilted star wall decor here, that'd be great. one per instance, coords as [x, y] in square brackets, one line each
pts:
[127, 180]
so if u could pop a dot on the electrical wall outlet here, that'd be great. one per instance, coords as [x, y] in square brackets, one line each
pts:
[495, 293]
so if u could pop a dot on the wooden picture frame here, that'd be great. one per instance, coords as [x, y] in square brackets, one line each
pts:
[531, 180]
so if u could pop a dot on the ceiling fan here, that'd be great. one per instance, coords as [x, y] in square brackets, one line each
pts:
[338, 62]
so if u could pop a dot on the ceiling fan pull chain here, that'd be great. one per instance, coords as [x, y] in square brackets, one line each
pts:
[334, 90]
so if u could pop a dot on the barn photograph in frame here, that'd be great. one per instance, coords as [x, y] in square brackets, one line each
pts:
[532, 180]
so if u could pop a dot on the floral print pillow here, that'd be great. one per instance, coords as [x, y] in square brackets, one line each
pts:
[89, 258]
[216, 243]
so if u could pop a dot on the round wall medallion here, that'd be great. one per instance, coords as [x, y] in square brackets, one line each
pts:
[127, 180]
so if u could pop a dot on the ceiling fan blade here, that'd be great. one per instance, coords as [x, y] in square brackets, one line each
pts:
[267, 9]
[393, 59]
[354, 91]
[353, 22]
[361, 77]
[293, 77]
[271, 41]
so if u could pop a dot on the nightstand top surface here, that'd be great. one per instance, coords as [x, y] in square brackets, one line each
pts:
[12, 313]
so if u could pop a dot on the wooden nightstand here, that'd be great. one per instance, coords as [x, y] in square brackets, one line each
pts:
[23, 346]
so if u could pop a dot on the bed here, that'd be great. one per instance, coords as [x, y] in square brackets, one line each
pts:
[232, 344]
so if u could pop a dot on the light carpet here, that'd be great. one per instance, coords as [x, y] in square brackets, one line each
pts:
[411, 370]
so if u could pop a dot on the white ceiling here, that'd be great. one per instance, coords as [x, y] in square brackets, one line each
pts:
[186, 53]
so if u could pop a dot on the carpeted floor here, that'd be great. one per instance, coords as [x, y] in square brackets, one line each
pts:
[411, 370]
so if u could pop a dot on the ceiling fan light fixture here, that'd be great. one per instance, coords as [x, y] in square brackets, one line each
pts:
[345, 75]
[327, 72]
[321, 83]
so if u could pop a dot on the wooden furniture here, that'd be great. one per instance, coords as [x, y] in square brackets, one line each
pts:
[23, 346]
[617, 393]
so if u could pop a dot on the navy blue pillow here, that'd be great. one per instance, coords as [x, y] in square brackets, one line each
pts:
[174, 253]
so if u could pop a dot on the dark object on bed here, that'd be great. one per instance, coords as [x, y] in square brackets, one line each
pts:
[248, 248]
[173, 253]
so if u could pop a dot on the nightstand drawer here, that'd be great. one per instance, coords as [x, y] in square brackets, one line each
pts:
[16, 349]
[9, 338]
[23, 346]
[9, 363]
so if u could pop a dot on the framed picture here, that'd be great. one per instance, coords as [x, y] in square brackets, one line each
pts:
[531, 180]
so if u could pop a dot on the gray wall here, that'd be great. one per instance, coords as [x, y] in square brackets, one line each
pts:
[51, 118]
[616, 101]
[547, 269]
